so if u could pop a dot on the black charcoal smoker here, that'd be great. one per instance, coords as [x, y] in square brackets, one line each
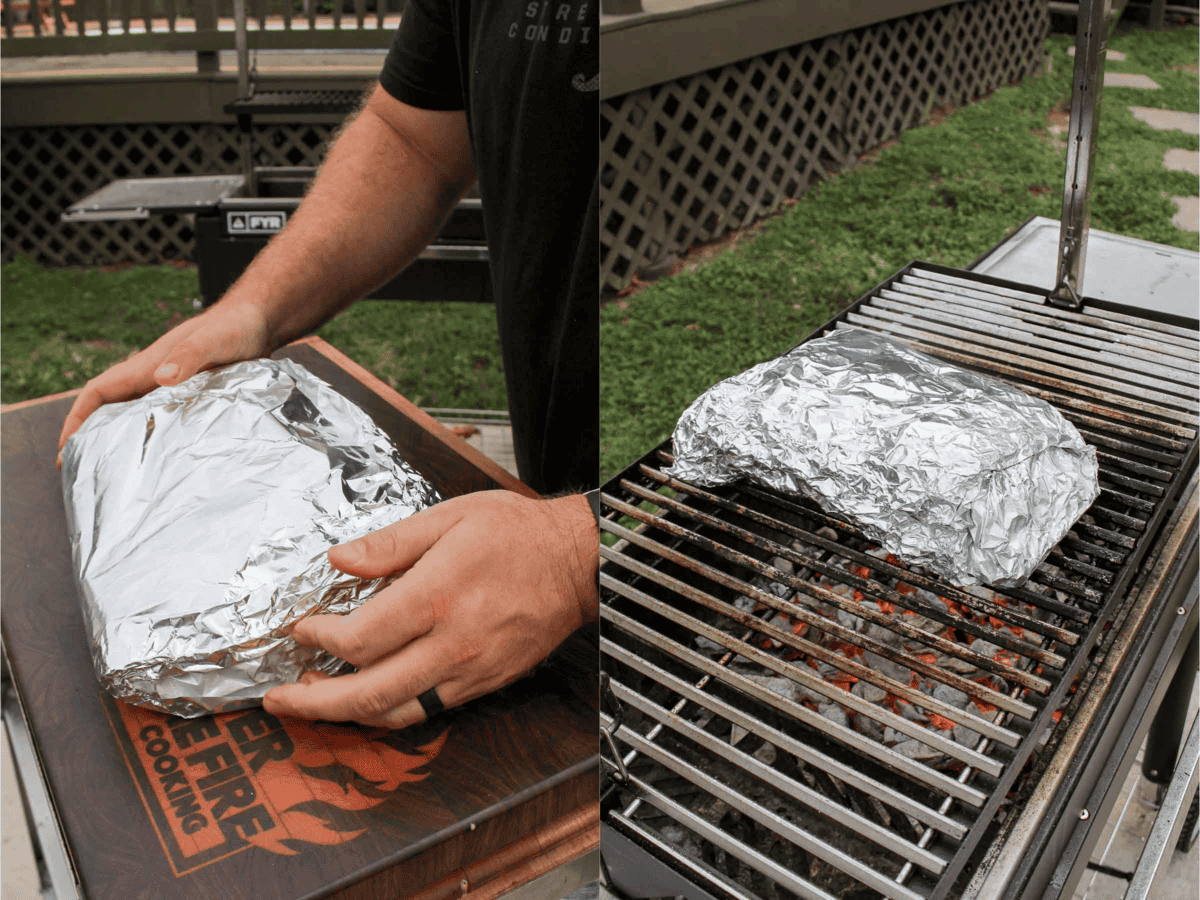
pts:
[756, 747]
[236, 214]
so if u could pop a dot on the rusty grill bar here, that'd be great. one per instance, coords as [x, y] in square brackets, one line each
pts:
[801, 714]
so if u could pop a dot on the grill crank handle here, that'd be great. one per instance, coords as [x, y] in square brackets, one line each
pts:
[617, 712]
[1097, 18]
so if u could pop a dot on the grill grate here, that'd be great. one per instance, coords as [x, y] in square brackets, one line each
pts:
[805, 716]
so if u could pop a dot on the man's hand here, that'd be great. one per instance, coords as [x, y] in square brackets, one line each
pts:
[492, 583]
[226, 333]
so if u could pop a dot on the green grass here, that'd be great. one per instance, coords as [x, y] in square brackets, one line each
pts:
[435, 354]
[943, 193]
[63, 326]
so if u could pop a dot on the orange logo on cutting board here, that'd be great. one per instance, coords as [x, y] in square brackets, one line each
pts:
[222, 784]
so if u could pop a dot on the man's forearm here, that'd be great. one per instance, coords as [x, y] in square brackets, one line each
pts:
[384, 189]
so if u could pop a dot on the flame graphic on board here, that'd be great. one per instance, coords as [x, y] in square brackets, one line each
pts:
[342, 767]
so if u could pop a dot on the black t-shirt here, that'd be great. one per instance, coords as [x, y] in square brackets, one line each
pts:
[527, 74]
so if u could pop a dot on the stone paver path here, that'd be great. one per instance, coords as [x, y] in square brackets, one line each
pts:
[1187, 218]
[1182, 161]
[1187, 214]
[1128, 79]
[1167, 119]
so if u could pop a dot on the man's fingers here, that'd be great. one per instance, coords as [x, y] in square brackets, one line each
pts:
[199, 343]
[122, 382]
[398, 546]
[129, 379]
[410, 713]
[371, 694]
[400, 613]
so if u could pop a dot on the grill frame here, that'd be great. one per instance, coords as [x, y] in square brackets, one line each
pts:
[1099, 614]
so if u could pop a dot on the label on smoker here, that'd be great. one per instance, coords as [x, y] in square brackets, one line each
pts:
[264, 222]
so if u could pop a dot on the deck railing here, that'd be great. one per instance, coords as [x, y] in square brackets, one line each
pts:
[70, 27]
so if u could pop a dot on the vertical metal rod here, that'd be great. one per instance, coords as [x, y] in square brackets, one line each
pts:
[239, 43]
[1088, 78]
[1097, 20]
[245, 126]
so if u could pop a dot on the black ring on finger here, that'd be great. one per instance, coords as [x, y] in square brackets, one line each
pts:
[431, 702]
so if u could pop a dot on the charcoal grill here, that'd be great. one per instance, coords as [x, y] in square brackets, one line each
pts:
[791, 712]
[749, 638]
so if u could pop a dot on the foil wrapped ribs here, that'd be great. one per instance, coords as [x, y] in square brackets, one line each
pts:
[200, 516]
[957, 472]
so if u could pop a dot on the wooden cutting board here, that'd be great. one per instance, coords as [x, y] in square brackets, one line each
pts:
[247, 805]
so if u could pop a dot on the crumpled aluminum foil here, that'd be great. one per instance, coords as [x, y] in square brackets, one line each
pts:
[199, 518]
[957, 472]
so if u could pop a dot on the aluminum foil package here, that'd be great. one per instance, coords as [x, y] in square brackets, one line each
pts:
[200, 516]
[960, 473]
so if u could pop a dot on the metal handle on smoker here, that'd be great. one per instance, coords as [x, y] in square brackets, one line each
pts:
[1097, 18]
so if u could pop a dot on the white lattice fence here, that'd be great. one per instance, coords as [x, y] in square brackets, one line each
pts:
[687, 161]
[45, 170]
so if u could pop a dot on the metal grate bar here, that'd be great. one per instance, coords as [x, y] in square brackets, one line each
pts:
[941, 337]
[1114, 406]
[1112, 556]
[746, 854]
[1144, 487]
[883, 755]
[960, 596]
[776, 823]
[815, 651]
[1179, 341]
[795, 611]
[869, 588]
[1143, 469]
[901, 574]
[1127, 500]
[789, 786]
[1096, 362]
[1100, 439]
[999, 319]
[1088, 524]
[854, 608]
[1070, 406]
[833, 767]
[809, 681]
